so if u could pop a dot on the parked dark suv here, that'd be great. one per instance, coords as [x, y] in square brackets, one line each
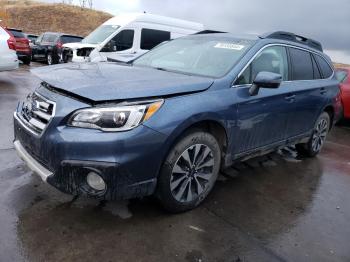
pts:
[48, 46]
[168, 122]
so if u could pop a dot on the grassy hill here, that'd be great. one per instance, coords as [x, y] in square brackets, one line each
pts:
[341, 65]
[36, 17]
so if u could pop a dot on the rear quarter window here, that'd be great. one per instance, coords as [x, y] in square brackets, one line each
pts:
[302, 64]
[325, 68]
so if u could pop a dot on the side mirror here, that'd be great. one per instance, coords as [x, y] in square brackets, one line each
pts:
[265, 80]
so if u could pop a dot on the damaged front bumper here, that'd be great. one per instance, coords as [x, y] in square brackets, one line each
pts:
[63, 156]
[33, 165]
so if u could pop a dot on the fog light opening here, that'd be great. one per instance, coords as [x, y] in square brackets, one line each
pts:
[95, 181]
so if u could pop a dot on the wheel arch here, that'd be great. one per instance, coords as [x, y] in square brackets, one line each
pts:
[330, 111]
[213, 126]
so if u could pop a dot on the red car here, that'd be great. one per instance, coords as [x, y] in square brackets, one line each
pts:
[23, 50]
[343, 75]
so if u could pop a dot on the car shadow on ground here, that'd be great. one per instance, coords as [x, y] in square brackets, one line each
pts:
[263, 199]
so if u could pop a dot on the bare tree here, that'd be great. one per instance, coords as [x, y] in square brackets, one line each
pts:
[82, 3]
[86, 3]
[90, 2]
[67, 2]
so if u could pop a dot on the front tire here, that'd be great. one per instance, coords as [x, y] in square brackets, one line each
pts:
[318, 137]
[189, 172]
[49, 59]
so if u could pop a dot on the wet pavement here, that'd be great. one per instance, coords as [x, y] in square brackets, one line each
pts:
[273, 208]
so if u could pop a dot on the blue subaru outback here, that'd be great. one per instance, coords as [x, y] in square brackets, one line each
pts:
[168, 122]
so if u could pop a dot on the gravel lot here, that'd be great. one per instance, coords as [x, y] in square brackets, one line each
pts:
[275, 208]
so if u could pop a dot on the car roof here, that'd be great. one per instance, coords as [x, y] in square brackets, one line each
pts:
[126, 18]
[313, 45]
[62, 34]
[220, 35]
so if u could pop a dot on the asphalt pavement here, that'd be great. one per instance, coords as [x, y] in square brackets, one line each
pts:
[273, 208]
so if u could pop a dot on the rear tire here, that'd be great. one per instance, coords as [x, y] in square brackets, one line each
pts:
[189, 172]
[26, 60]
[318, 137]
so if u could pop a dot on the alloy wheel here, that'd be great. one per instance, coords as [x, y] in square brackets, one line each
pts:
[319, 135]
[49, 59]
[192, 173]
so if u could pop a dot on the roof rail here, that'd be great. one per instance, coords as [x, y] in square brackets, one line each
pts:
[208, 32]
[294, 38]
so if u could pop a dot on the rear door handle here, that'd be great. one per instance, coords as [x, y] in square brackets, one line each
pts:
[290, 98]
[323, 91]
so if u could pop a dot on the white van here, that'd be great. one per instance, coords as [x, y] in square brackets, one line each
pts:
[128, 36]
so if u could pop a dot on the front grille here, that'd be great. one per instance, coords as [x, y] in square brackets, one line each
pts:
[37, 112]
[67, 55]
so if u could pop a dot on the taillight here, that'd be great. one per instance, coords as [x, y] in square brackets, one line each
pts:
[12, 42]
[59, 45]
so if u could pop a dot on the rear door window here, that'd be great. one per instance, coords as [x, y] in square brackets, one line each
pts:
[272, 59]
[302, 65]
[325, 68]
[151, 38]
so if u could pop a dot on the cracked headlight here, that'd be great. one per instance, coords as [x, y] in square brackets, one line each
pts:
[119, 118]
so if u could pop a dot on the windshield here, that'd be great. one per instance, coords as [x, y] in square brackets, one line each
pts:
[206, 56]
[17, 34]
[100, 34]
[70, 39]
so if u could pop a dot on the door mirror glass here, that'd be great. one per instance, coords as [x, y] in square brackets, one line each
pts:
[265, 80]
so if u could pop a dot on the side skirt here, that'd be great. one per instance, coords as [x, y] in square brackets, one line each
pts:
[303, 138]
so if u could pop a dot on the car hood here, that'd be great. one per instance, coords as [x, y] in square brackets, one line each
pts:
[79, 45]
[112, 81]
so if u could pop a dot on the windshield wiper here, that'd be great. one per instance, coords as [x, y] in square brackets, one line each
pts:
[162, 69]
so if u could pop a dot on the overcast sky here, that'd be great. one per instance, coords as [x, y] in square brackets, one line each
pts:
[325, 20]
